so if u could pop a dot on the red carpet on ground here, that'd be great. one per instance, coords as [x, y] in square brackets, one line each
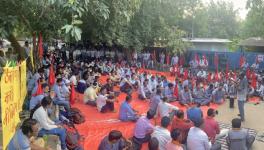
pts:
[98, 125]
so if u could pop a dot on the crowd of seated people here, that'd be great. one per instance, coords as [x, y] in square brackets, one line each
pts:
[154, 89]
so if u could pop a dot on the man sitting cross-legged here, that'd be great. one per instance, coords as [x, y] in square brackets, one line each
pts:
[199, 96]
[90, 95]
[126, 112]
[103, 103]
[185, 96]
[144, 91]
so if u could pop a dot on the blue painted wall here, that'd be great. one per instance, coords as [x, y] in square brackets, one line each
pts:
[231, 57]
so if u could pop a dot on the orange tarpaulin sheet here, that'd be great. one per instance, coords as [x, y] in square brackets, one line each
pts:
[98, 125]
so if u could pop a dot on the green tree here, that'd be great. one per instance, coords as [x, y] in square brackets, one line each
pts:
[254, 23]
[53, 18]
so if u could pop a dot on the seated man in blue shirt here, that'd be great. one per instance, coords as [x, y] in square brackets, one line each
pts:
[199, 96]
[20, 140]
[36, 99]
[127, 113]
[185, 96]
[219, 95]
[59, 98]
[209, 91]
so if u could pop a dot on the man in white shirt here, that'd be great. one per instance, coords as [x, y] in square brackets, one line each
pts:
[162, 133]
[197, 139]
[47, 126]
[103, 103]
[166, 109]
[144, 91]
[152, 83]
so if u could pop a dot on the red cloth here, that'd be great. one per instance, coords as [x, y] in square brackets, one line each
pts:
[235, 76]
[51, 76]
[73, 94]
[39, 90]
[241, 61]
[183, 126]
[248, 73]
[254, 80]
[185, 75]
[40, 46]
[211, 128]
[176, 91]
[216, 76]
[209, 77]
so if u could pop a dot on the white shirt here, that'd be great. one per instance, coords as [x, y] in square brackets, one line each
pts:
[165, 108]
[152, 85]
[101, 101]
[197, 140]
[162, 135]
[43, 119]
[73, 80]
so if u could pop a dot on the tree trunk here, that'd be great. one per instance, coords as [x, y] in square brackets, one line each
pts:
[17, 47]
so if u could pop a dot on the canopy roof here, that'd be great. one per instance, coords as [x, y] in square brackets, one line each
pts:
[253, 41]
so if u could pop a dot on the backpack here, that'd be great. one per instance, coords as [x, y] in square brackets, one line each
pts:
[74, 141]
[76, 116]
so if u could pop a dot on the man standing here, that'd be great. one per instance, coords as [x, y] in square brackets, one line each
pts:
[242, 90]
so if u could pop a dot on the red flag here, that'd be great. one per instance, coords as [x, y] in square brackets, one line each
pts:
[248, 73]
[185, 75]
[209, 77]
[235, 76]
[241, 61]
[227, 71]
[73, 95]
[254, 80]
[168, 59]
[216, 61]
[40, 46]
[216, 76]
[51, 76]
[176, 90]
[39, 90]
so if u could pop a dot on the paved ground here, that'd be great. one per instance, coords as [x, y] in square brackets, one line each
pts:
[254, 118]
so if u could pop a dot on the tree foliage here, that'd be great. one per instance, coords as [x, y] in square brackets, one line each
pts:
[131, 24]
[253, 26]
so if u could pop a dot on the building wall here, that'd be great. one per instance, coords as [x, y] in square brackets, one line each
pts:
[220, 47]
